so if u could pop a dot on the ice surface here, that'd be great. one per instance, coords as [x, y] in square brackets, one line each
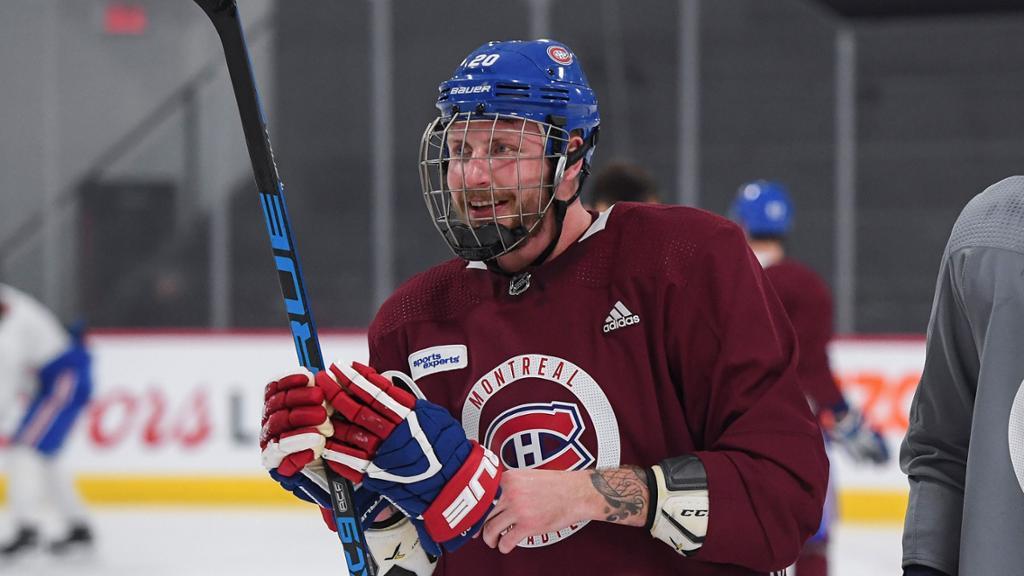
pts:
[255, 542]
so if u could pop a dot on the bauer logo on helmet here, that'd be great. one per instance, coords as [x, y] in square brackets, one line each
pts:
[471, 89]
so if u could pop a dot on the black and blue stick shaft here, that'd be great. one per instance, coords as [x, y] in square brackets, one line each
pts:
[225, 18]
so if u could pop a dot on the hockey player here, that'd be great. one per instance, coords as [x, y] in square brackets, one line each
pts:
[765, 212]
[40, 359]
[964, 450]
[604, 394]
[622, 182]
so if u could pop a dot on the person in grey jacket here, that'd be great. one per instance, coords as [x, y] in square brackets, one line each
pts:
[964, 450]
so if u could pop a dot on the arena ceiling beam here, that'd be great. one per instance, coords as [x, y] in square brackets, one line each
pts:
[890, 9]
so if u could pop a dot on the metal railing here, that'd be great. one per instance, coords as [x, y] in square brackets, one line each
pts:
[180, 111]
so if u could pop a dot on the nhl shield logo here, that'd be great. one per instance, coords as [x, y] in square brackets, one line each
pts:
[545, 436]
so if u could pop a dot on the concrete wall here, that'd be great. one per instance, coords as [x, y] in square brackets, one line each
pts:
[937, 122]
[70, 91]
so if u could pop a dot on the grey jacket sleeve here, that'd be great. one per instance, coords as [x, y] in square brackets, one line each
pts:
[934, 452]
[974, 366]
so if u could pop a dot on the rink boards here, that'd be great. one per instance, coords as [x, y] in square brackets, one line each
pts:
[175, 417]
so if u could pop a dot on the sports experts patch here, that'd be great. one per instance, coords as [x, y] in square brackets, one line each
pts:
[438, 359]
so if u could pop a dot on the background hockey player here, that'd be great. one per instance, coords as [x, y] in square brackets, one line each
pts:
[622, 182]
[964, 449]
[610, 394]
[765, 212]
[42, 361]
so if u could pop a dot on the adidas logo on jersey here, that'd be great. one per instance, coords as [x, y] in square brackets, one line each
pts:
[619, 317]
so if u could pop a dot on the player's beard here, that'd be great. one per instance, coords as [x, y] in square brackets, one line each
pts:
[524, 208]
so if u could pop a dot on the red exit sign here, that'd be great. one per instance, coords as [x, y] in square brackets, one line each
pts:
[123, 19]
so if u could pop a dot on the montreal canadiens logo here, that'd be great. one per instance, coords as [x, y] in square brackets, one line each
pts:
[560, 54]
[531, 430]
[543, 436]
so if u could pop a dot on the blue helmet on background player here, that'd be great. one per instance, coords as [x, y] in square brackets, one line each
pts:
[763, 209]
[534, 88]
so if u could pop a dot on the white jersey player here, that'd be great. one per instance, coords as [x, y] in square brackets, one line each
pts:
[49, 367]
[964, 450]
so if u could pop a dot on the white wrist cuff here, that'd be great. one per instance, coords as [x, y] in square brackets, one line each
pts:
[679, 504]
[397, 548]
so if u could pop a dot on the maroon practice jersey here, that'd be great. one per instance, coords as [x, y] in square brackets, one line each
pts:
[808, 303]
[652, 336]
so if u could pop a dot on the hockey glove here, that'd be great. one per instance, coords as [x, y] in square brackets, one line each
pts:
[292, 439]
[862, 442]
[295, 431]
[424, 463]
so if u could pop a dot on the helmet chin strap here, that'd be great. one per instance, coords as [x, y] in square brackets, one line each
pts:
[561, 207]
[482, 243]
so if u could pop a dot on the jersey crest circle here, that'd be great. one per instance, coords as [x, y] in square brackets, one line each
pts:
[546, 434]
[1015, 435]
[540, 435]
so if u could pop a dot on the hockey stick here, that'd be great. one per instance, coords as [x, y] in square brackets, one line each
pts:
[224, 15]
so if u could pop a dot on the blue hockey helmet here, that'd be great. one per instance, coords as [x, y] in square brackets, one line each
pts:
[540, 81]
[763, 208]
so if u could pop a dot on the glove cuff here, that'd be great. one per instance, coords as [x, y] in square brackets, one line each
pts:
[466, 497]
[681, 505]
[849, 424]
[839, 408]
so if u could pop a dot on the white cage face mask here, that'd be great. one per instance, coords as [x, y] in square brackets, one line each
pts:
[489, 180]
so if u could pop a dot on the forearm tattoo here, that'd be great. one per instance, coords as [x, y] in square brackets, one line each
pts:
[625, 491]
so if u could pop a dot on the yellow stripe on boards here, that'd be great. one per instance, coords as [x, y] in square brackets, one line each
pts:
[873, 506]
[855, 506]
[178, 491]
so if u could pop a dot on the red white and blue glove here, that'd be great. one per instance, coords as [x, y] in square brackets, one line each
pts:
[295, 430]
[858, 438]
[423, 462]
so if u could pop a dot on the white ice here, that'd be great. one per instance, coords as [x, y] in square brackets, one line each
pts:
[256, 542]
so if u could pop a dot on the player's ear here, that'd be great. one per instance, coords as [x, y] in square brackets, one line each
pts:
[573, 171]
